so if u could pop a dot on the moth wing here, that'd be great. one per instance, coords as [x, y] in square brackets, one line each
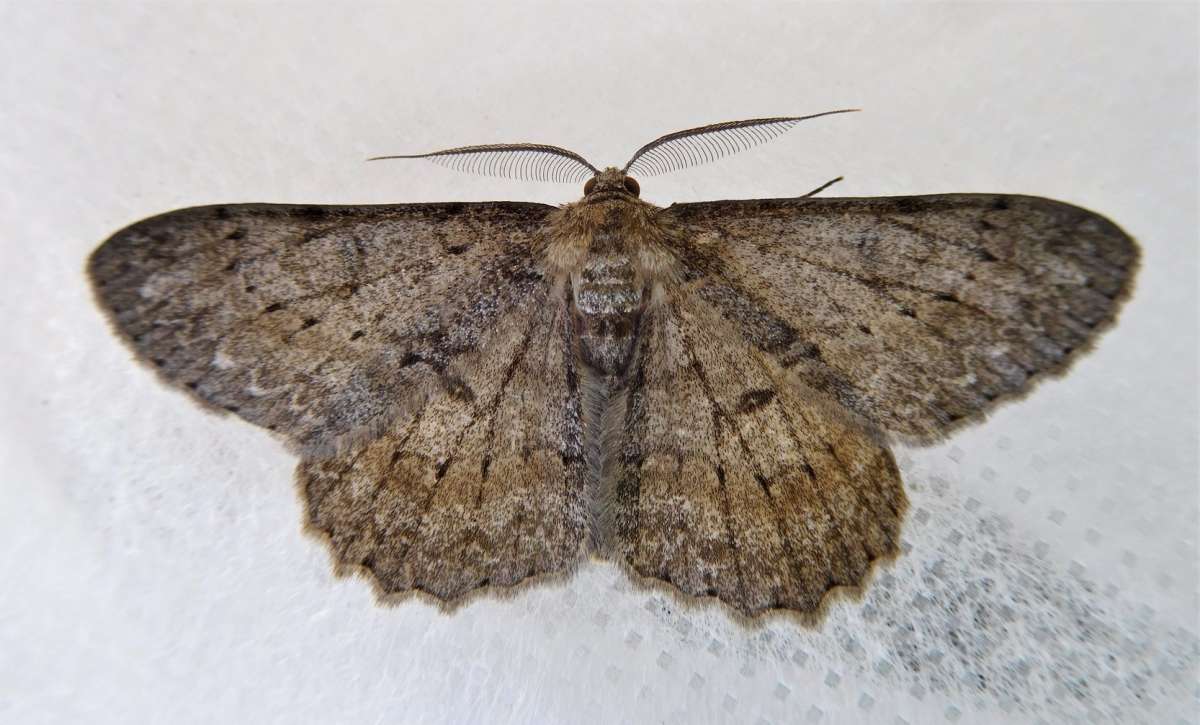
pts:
[484, 486]
[321, 323]
[917, 313]
[727, 480]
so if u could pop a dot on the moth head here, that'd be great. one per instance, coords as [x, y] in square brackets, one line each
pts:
[612, 183]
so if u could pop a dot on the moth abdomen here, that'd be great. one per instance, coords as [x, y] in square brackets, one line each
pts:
[607, 286]
[607, 300]
[606, 341]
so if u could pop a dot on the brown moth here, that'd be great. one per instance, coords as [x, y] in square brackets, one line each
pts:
[704, 393]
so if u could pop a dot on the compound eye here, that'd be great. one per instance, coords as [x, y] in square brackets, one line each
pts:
[591, 184]
[631, 186]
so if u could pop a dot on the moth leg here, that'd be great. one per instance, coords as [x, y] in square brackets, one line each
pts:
[822, 187]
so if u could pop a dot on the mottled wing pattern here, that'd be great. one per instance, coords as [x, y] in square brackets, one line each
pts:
[917, 313]
[321, 323]
[483, 486]
[729, 481]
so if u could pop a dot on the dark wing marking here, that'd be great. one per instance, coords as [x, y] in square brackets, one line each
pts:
[321, 323]
[917, 313]
[729, 482]
[482, 487]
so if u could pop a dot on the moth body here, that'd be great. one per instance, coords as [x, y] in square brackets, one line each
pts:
[610, 283]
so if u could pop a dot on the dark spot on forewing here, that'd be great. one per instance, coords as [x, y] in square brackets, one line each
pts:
[311, 212]
[763, 483]
[458, 389]
[799, 352]
[442, 468]
[752, 400]
[909, 204]
[443, 212]
[572, 380]
[759, 326]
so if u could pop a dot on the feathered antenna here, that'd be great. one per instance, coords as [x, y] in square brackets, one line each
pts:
[526, 161]
[700, 145]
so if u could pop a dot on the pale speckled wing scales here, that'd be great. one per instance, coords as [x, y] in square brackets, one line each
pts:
[482, 487]
[321, 323]
[729, 482]
[917, 313]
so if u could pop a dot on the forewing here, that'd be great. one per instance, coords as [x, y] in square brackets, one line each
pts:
[321, 323]
[483, 486]
[728, 481]
[918, 313]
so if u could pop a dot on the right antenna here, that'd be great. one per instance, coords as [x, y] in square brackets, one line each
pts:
[695, 146]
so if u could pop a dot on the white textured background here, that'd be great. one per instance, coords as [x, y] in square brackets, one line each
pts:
[152, 565]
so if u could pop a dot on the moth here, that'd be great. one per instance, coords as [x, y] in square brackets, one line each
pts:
[704, 394]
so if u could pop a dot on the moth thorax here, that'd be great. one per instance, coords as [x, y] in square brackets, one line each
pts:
[607, 302]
